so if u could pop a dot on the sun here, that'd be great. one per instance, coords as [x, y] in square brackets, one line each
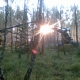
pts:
[45, 29]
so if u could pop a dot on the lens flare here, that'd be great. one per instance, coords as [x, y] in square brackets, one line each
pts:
[34, 51]
[45, 29]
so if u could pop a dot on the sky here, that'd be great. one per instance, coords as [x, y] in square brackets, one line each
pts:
[49, 3]
[20, 3]
[2, 3]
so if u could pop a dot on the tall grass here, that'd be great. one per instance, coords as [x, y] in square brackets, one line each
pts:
[48, 66]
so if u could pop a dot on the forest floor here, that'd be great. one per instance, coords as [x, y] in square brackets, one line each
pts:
[48, 66]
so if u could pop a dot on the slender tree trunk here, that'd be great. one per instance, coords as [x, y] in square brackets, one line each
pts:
[17, 29]
[76, 25]
[43, 22]
[40, 20]
[25, 27]
[6, 19]
[62, 34]
[43, 44]
[11, 30]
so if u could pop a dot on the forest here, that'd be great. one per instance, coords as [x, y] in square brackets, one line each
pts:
[39, 40]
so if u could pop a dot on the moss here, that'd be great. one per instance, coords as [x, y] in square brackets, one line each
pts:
[67, 47]
[48, 66]
[75, 67]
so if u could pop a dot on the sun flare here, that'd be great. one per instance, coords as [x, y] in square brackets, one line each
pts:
[45, 29]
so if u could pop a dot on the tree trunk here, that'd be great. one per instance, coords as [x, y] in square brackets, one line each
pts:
[76, 25]
[62, 34]
[11, 30]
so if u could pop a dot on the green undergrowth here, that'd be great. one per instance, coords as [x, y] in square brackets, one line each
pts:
[48, 66]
